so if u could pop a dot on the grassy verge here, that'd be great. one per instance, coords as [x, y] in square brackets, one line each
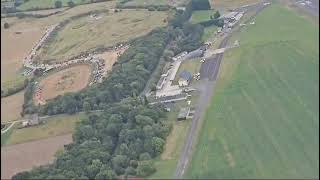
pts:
[208, 32]
[166, 164]
[263, 119]
[54, 126]
[45, 4]
[200, 16]
[5, 136]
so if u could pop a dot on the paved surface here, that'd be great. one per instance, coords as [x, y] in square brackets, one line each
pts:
[310, 5]
[208, 72]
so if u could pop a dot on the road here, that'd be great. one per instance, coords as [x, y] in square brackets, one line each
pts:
[209, 72]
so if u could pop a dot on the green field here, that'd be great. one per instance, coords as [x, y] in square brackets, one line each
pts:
[263, 120]
[88, 33]
[200, 16]
[145, 3]
[44, 4]
[208, 32]
[53, 126]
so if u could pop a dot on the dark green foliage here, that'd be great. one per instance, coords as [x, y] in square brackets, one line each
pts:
[217, 22]
[57, 4]
[145, 168]
[111, 144]
[200, 5]
[71, 3]
[6, 25]
[216, 15]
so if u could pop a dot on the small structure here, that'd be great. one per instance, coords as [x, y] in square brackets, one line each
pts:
[32, 121]
[184, 78]
[195, 54]
[183, 114]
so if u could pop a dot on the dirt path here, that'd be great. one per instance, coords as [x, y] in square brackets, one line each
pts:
[25, 156]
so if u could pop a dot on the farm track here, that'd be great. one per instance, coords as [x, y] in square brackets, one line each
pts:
[209, 71]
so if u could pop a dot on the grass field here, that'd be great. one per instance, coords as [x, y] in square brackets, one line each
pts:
[200, 16]
[25, 156]
[263, 120]
[231, 3]
[87, 33]
[175, 3]
[43, 4]
[54, 126]
[208, 32]
[11, 107]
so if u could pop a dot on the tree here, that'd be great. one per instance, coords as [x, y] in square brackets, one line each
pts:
[106, 174]
[144, 156]
[71, 4]
[200, 5]
[86, 106]
[6, 25]
[216, 15]
[57, 4]
[145, 168]
[157, 144]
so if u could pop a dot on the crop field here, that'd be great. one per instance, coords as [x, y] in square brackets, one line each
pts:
[201, 15]
[43, 4]
[11, 107]
[67, 80]
[264, 120]
[107, 30]
[25, 156]
[54, 126]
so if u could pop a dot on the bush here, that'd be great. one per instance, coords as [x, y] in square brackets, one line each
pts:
[6, 25]
[58, 4]
[145, 168]
[71, 4]
[216, 15]
[151, 8]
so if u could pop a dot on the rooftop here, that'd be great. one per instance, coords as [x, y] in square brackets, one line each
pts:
[185, 75]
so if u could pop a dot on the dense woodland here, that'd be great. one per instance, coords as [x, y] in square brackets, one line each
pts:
[122, 140]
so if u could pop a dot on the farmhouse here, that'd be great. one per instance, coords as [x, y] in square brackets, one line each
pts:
[185, 78]
[32, 121]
